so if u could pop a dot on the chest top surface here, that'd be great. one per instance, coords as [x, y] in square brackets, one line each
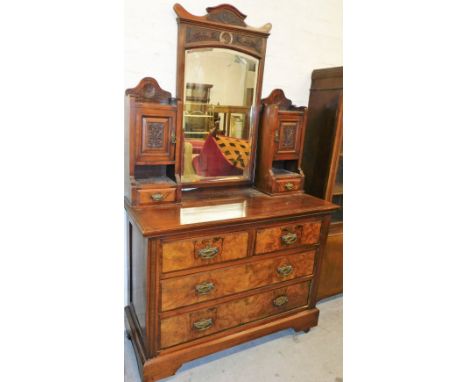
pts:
[210, 208]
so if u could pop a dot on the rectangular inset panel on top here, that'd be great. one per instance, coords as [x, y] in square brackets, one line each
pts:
[199, 251]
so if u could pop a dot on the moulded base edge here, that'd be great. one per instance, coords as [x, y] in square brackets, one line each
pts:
[165, 365]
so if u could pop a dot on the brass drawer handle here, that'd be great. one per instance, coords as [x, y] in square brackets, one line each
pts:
[157, 197]
[208, 252]
[204, 288]
[285, 270]
[289, 238]
[280, 301]
[203, 324]
[289, 186]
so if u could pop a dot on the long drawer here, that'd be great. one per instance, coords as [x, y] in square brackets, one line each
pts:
[191, 289]
[199, 251]
[285, 236]
[189, 326]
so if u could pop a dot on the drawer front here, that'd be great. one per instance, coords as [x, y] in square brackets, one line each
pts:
[195, 252]
[156, 196]
[287, 185]
[189, 326]
[187, 290]
[287, 236]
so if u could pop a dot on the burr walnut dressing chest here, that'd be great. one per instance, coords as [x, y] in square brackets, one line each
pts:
[223, 244]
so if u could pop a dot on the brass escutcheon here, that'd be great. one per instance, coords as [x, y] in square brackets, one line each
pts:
[277, 136]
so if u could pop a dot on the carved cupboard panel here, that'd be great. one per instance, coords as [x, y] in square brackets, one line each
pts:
[288, 139]
[155, 136]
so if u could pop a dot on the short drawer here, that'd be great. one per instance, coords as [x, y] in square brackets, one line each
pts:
[156, 196]
[287, 185]
[199, 251]
[189, 326]
[280, 237]
[191, 289]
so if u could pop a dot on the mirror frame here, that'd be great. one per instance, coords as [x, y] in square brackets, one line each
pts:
[222, 27]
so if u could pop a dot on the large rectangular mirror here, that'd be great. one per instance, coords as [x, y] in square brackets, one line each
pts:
[219, 94]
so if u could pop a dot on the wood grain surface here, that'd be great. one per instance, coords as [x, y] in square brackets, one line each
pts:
[181, 328]
[182, 291]
[182, 254]
[270, 239]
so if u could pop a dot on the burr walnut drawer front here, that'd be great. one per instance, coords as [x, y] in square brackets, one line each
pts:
[199, 251]
[189, 326]
[286, 236]
[287, 185]
[191, 289]
[156, 196]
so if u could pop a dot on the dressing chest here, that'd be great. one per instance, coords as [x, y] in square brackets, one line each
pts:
[223, 244]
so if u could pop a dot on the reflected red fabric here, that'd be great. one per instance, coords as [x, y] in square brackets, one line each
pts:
[211, 161]
[197, 145]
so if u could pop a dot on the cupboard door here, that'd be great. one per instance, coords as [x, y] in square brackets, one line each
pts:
[288, 138]
[155, 135]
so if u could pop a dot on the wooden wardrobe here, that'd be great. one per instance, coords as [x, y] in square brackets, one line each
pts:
[323, 167]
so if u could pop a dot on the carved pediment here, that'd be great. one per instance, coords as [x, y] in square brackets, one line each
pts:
[225, 14]
[277, 97]
[149, 90]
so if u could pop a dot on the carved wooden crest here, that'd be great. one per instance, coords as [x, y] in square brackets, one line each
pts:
[226, 14]
[149, 90]
[222, 14]
[277, 97]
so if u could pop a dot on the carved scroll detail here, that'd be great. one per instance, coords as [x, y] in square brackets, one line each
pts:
[222, 14]
[254, 43]
[155, 135]
[226, 17]
[196, 34]
[288, 136]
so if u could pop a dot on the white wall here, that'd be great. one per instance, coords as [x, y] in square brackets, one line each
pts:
[306, 35]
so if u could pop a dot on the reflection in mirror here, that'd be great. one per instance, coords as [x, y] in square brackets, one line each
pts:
[220, 89]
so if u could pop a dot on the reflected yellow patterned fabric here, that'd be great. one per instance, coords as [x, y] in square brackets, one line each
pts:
[236, 151]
